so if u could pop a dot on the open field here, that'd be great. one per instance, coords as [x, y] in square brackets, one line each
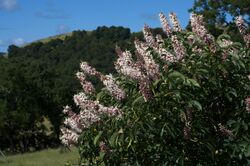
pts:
[50, 157]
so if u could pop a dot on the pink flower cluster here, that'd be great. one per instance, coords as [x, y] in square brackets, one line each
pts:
[199, 29]
[107, 80]
[151, 67]
[179, 49]
[224, 131]
[86, 85]
[175, 22]
[125, 65]
[112, 87]
[165, 25]
[243, 29]
[148, 36]
[134, 70]
[158, 45]
[69, 137]
[88, 69]
[91, 112]
[247, 102]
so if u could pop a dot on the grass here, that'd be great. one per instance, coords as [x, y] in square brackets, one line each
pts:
[62, 37]
[50, 157]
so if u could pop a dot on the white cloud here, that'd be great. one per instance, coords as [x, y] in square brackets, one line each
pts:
[62, 29]
[8, 5]
[19, 41]
[52, 14]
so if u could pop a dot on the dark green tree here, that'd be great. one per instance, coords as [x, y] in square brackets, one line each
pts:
[219, 15]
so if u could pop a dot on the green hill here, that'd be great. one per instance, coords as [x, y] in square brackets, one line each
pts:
[61, 36]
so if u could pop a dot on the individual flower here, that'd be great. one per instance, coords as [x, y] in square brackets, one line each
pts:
[196, 50]
[225, 43]
[103, 147]
[165, 25]
[191, 39]
[68, 111]
[175, 22]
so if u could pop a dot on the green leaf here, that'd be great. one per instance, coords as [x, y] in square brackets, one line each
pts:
[97, 137]
[247, 152]
[176, 75]
[195, 104]
[112, 139]
[138, 100]
[194, 82]
[101, 155]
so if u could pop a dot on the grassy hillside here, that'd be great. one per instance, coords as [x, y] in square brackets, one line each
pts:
[61, 36]
[49, 157]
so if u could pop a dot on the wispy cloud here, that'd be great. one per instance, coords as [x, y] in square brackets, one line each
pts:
[52, 14]
[62, 29]
[19, 41]
[9, 5]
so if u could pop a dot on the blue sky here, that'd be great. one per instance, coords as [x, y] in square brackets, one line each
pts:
[24, 21]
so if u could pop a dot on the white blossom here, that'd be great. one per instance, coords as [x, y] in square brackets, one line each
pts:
[175, 22]
[199, 29]
[150, 66]
[88, 69]
[179, 49]
[243, 29]
[112, 87]
[165, 25]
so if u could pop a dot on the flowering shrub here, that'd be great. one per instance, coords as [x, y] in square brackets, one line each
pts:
[183, 100]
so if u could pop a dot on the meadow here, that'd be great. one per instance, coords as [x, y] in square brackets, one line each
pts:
[48, 157]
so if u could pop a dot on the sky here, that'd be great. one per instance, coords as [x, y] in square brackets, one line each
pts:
[24, 21]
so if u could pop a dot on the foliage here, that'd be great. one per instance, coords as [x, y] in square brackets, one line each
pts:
[37, 80]
[219, 15]
[185, 103]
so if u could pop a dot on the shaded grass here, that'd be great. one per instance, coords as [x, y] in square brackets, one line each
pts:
[50, 157]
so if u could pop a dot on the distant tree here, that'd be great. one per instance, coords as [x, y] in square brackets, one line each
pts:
[217, 11]
[219, 15]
